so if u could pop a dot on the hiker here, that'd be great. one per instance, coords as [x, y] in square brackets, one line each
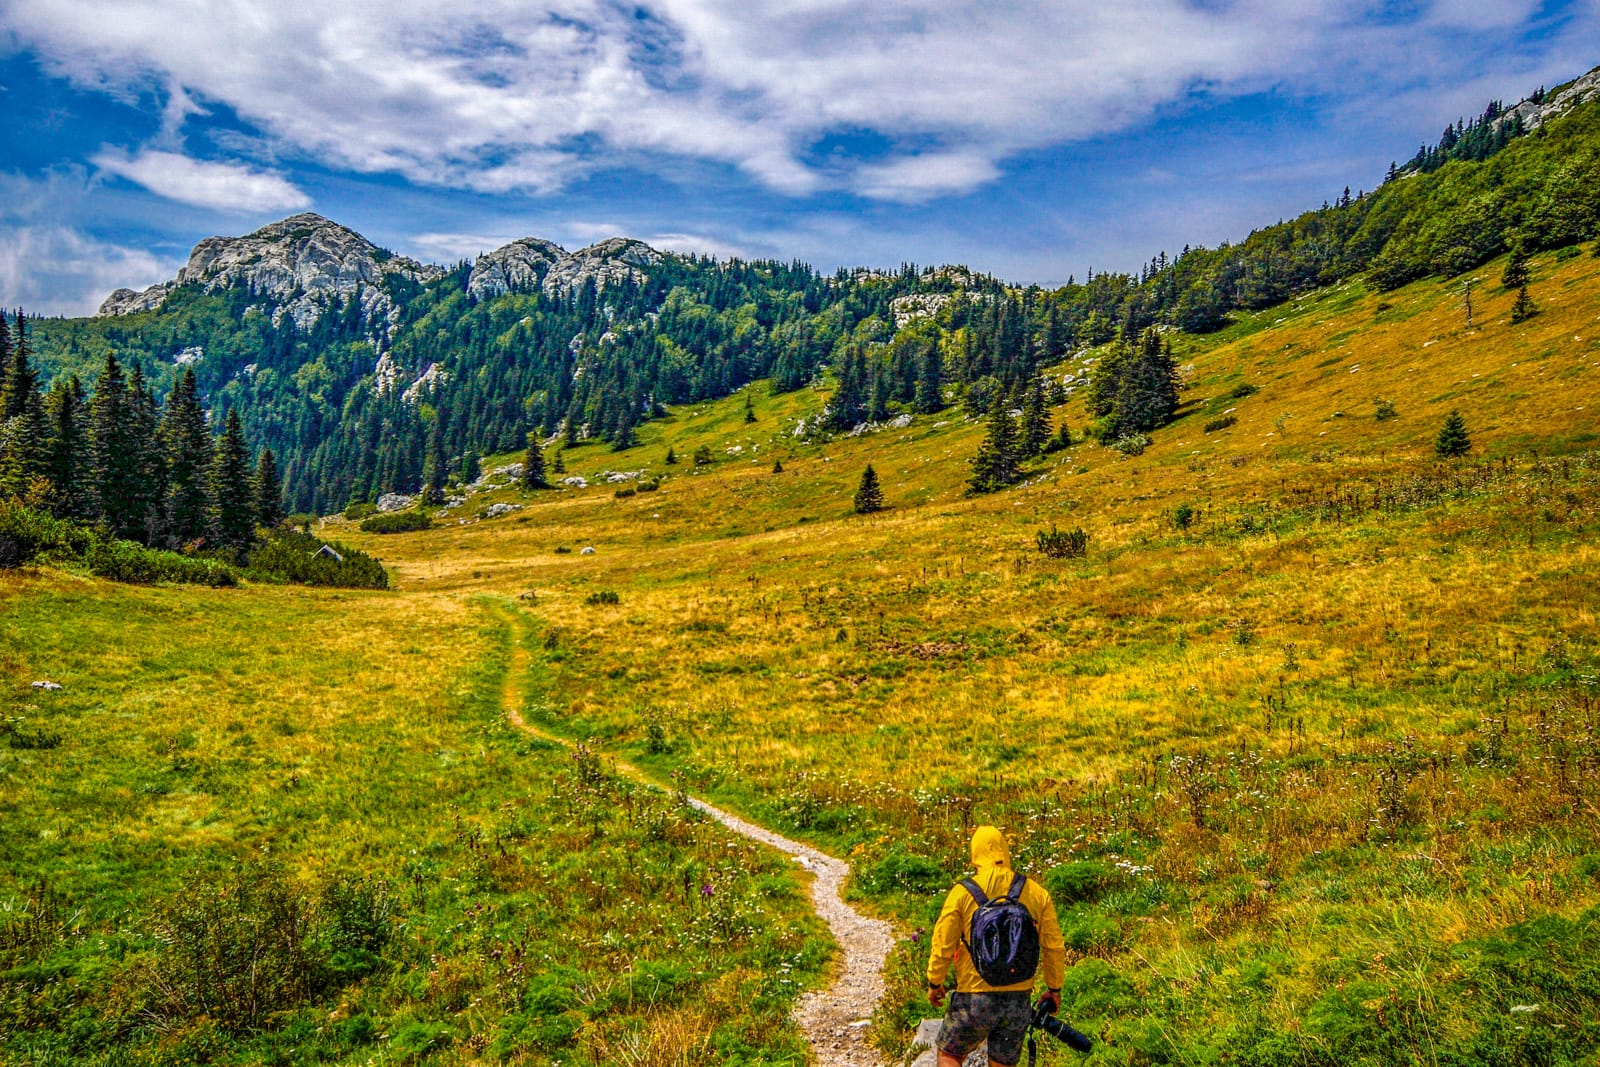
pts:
[979, 1011]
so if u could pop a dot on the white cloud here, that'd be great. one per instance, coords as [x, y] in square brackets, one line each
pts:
[56, 270]
[509, 95]
[221, 186]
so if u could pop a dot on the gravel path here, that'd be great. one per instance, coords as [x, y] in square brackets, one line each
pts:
[834, 1020]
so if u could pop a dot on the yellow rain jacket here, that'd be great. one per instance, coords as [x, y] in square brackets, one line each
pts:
[993, 861]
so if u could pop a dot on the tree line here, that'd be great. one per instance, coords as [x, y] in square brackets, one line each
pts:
[144, 471]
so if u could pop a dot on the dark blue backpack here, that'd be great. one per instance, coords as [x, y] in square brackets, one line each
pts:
[1004, 940]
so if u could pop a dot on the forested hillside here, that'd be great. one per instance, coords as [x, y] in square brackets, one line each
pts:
[357, 403]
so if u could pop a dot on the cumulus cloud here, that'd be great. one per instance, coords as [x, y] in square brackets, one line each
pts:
[221, 186]
[509, 95]
[57, 270]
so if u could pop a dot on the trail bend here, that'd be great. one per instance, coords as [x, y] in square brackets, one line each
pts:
[835, 1019]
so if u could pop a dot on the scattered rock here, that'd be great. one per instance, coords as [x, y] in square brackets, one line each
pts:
[494, 511]
[49, 687]
[395, 502]
[577, 481]
[588, 550]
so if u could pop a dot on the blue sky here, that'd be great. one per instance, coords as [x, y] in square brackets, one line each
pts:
[1033, 140]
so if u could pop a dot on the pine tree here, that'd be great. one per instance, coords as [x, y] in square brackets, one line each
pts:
[187, 446]
[1035, 421]
[559, 464]
[1524, 308]
[533, 474]
[995, 464]
[22, 421]
[1105, 380]
[5, 348]
[233, 505]
[1147, 394]
[672, 457]
[1453, 439]
[147, 488]
[433, 462]
[67, 449]
[471, 466]
[869, 494]
[928, 397]
[112, 461]
[1516, 275]
[777, 466]
[749, 409]
[266, 488]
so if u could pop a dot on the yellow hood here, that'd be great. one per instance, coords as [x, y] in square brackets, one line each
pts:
[989, 848]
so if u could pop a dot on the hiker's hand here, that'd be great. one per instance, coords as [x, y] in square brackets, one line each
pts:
[936, 995]
[1050, 1002]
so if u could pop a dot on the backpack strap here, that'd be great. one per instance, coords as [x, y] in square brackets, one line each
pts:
[1017, 885]
[977, 894]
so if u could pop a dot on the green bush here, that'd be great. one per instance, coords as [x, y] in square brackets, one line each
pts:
[26, 533]
[1219, 424]
[293, 557]
[124, 561]
[904, 872]
[603, 597]
[1063, 544]
[360, 510]
[397, 522]
[1080, 882]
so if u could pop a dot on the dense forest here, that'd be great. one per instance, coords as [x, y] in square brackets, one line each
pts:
[593, 362]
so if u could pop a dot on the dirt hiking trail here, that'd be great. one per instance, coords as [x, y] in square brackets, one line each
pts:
[834, 1020]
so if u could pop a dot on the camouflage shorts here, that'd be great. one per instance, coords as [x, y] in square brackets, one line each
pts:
[1001, 1018]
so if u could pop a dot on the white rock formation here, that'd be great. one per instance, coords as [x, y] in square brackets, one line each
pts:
[517, 267]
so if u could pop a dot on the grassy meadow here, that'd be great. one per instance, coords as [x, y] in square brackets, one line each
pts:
[1305, 745]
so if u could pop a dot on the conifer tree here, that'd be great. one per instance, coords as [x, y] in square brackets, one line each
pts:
[112, 463]
[187, 446]
[1105, 380]
[1516, 275]
[147, 488]
[1524, 308]
[777, 466]
[533, 474]
[266, 488]
[433, 462]
[22, 421]
[1035, 421]
[233, 504]
[5, 348]
[672, 457]
[995, 464]
[67, 449]
[749, 409]
[1453, 439]
[869, 494]
[929, 395]
[559, 465]
[1147, 394]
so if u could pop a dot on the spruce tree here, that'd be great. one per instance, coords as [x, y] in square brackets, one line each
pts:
[433, 462]
[929, 396]
[147, 489]
[559, 464]
[672, 457]
[67, 449]
[1105, 380]
[1035, 421]
[777, 466]
[1147, 394]
[1516, 275]
[111, 461]
[1453, 439]
[869, 494]
[5, 347]
[22, 422]
[1524, 308]
[266, 488]
[995, 464]
[233, 504]
[187, 446]
[749, 409]
[533, 474]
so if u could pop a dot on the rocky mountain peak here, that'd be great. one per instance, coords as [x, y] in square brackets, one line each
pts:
[531, 264]
[304, 264]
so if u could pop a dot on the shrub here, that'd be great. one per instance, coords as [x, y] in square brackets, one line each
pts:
[563, 550]
[1219, 424]
[1384, 410]
[1239, 392]
[1080, 882]
[18, 736]
[124, 561]
[360, 510]
[906, 873]
[650, 486]
[26, 533]
[625, 492]
[397, 522]
[603, 597]
[1063, 544]
[702, 456]
[293, 557]
[1131, 444]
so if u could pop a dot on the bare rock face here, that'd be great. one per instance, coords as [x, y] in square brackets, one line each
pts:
[305, 264]
[614, 260]
[517, 267]
[1533, 115]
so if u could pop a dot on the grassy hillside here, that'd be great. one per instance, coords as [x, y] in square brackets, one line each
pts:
[1314, 775]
